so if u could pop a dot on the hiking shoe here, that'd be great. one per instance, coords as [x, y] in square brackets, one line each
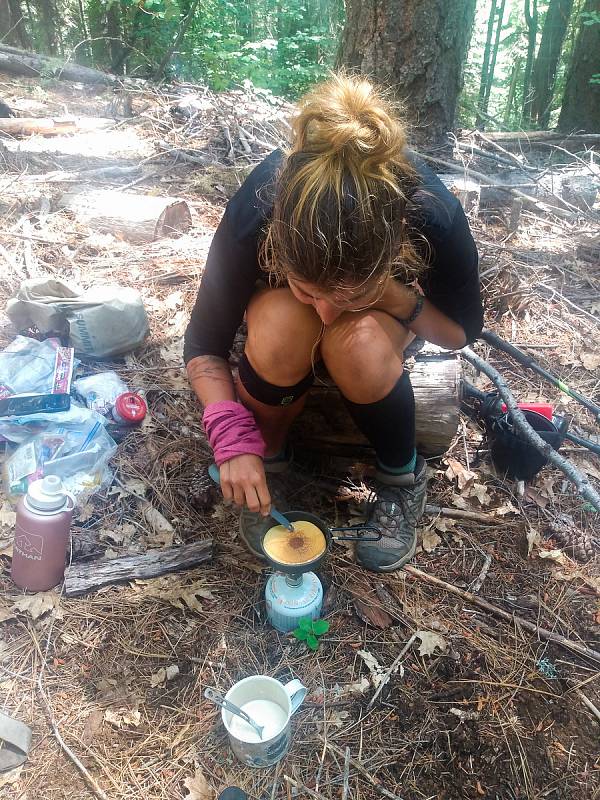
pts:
[397, 506]
[253, 525]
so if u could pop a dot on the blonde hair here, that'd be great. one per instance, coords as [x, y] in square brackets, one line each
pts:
[341, 196]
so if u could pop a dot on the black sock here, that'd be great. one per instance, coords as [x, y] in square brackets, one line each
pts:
[389, 425]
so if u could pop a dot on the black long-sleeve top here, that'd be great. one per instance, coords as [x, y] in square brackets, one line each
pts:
[232, 269]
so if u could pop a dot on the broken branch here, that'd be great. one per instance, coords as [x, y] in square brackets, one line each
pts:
[543, 633]
[573, 474]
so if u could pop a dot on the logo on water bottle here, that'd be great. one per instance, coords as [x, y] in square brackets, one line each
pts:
[29, 545]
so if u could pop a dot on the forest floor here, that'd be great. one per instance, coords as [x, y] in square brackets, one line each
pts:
[493, 711]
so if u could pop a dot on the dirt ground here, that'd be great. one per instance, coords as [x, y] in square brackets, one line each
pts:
[493, 711]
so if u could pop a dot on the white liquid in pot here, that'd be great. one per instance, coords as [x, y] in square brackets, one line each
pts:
[264, 712]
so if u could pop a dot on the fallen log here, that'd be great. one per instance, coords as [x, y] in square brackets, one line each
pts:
[47, 126]
[33, 65]
[519, 138]
[136, 218]
[90, 576]
[326, 426]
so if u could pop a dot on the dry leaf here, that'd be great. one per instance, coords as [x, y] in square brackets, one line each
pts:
[554, 555]
[456, 470]
[430, 642]
[590, 359]
[122, 717]
[37, 604]
[589, 468]
[162, 532]
[479, 490]
[7, 517]
[197, 787]
[186, 596]
[163, 675]
[505, 509]
[444, 524]
[533, 538]
[337, 719]
[6, 613]
[85, 512]
[430, 540]
[458, 501]
[536, 497]
[173, 300]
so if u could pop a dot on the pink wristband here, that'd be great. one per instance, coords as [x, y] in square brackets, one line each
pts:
[232, 431]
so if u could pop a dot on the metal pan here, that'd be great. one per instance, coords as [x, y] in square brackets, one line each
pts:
[356, 533]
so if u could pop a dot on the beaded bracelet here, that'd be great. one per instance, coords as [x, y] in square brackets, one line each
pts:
[415, 313]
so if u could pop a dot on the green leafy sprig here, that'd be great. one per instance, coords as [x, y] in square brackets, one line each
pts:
[309, 630]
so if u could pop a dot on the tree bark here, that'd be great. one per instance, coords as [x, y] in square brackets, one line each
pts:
[416, 46]
[486, 62]
[47, 16]
[531, 18]
[512, 89]
[581, 101]
[496, 47]
[12, 16]
[546, 63]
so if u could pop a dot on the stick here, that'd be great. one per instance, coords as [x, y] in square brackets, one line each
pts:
[458, 513]
[573, 474]
[375, 782]
[529, 363]
[478, 582]
[302, 788]
[346, 787]
[543, 633]
[537, 204]
[388, 672]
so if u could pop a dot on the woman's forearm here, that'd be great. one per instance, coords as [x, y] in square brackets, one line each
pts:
[211, 379]
[437, 328]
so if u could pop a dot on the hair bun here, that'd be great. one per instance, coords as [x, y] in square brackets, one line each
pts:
[347, 117]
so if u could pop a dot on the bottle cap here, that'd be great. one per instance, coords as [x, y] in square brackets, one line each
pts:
[233, 793]
[47, 494]
[130, 407]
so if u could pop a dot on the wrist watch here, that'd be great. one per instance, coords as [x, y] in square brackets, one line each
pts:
[415, 313]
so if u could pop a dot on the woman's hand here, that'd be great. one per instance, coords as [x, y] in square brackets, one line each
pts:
[243, 480]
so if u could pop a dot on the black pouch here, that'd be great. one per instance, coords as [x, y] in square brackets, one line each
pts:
[513, 455]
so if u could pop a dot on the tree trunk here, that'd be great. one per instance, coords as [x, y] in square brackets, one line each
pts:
[546, 63]
[512, 89]
[486, 62]
[581, 101]
[113, 31]
[47, 16]
[496, 47]
[16, 24]
[183, 26]
[531, 18]
[326, 426]
[416, 46]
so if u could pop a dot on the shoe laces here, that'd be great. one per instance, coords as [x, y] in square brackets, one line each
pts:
[383, 502]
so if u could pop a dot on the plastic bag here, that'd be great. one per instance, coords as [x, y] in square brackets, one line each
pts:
[78, 420]
[31, 367]
[101, 321]
[100, 391]
[79, 457]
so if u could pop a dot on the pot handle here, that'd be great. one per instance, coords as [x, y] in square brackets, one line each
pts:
[358, 531]
[296, 691]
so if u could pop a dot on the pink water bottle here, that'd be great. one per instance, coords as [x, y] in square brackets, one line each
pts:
[42, 535]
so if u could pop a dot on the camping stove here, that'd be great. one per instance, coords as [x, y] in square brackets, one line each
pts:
[294, 590]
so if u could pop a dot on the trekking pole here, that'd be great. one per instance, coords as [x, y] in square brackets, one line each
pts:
[527, 361]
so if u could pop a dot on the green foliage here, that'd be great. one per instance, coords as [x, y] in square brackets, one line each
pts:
[310, 630]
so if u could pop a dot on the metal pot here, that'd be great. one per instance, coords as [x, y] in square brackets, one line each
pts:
[330, 534]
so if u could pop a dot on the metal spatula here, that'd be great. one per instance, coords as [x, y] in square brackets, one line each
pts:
[218, 699]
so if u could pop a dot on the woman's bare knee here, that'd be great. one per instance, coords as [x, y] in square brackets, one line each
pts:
[364, 354]
[282, 336]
